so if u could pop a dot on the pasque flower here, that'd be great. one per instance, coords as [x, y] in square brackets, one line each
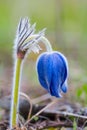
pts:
[52, 69]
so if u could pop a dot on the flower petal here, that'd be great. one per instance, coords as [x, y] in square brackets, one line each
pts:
[44, 70]
[65, 62]
[64, 87]
[56, 75]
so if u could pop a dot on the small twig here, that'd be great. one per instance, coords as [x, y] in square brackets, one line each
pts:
[84, 125]
[54, 124]
[29, 100]
[41, 98]
[49, 105]
[66, 114]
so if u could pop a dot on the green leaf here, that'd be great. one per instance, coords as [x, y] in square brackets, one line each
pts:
[85, 88]
[79, 92]
[74, 125]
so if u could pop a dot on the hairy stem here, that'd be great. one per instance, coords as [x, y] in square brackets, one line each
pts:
[45, 41]
[15, 94]
[47, 44]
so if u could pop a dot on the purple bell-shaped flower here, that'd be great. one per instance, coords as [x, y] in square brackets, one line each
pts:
[52, 69]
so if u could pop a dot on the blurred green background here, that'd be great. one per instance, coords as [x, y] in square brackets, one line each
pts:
[66, 23]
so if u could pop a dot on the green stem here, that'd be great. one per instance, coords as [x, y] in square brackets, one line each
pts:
[15, 94]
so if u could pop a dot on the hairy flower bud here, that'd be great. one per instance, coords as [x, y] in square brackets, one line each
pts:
[26, 40]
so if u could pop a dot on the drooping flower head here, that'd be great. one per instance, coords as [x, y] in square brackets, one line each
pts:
[26, 39]
[52, 69]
